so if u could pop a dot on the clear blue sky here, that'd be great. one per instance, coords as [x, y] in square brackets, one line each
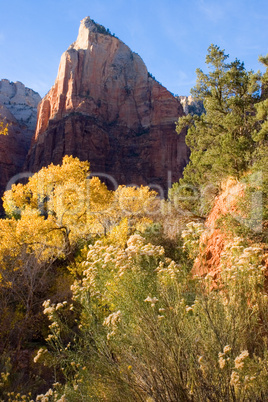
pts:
[172, 36]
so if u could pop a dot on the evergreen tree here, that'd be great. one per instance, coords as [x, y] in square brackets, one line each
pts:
[260, 135]
[220, 140]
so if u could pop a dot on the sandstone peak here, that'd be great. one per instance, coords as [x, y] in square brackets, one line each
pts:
[86, 29]
[91, 25]
[105, 108]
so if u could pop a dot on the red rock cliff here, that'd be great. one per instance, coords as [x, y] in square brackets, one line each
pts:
[105, 108]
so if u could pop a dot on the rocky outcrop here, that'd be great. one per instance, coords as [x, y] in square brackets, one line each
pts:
[18, 109]
[21, 102]
[220, 248]
[213, 240]
[191, 105]
[105, 108]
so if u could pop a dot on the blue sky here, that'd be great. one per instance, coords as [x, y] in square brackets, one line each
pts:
[171, 36]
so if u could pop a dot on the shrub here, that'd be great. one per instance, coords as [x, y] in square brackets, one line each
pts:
[147, 329]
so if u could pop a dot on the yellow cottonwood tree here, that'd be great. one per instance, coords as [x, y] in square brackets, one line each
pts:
[77, 204]
[33, 234]
[28, 249]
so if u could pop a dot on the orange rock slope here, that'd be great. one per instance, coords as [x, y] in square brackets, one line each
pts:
[213, 240]
[105, 108]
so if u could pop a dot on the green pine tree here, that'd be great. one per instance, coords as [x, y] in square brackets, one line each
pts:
[260, 135]
[220, 140]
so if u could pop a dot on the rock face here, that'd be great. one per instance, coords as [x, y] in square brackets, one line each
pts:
[105, 108]
[192, 106]
[18, 109]
[21, 102]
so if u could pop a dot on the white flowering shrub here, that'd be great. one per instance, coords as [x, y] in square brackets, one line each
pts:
[191, 236]
[147, 330]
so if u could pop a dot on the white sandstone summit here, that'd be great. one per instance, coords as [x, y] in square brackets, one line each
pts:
[21, 102]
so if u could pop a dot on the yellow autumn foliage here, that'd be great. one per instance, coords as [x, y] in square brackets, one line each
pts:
[134, 201]
[65, 193]
[119, 234]
[3, 129]
[82, 205]
[31, 235]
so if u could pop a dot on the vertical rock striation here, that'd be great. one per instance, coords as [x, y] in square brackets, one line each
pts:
[105, 108]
